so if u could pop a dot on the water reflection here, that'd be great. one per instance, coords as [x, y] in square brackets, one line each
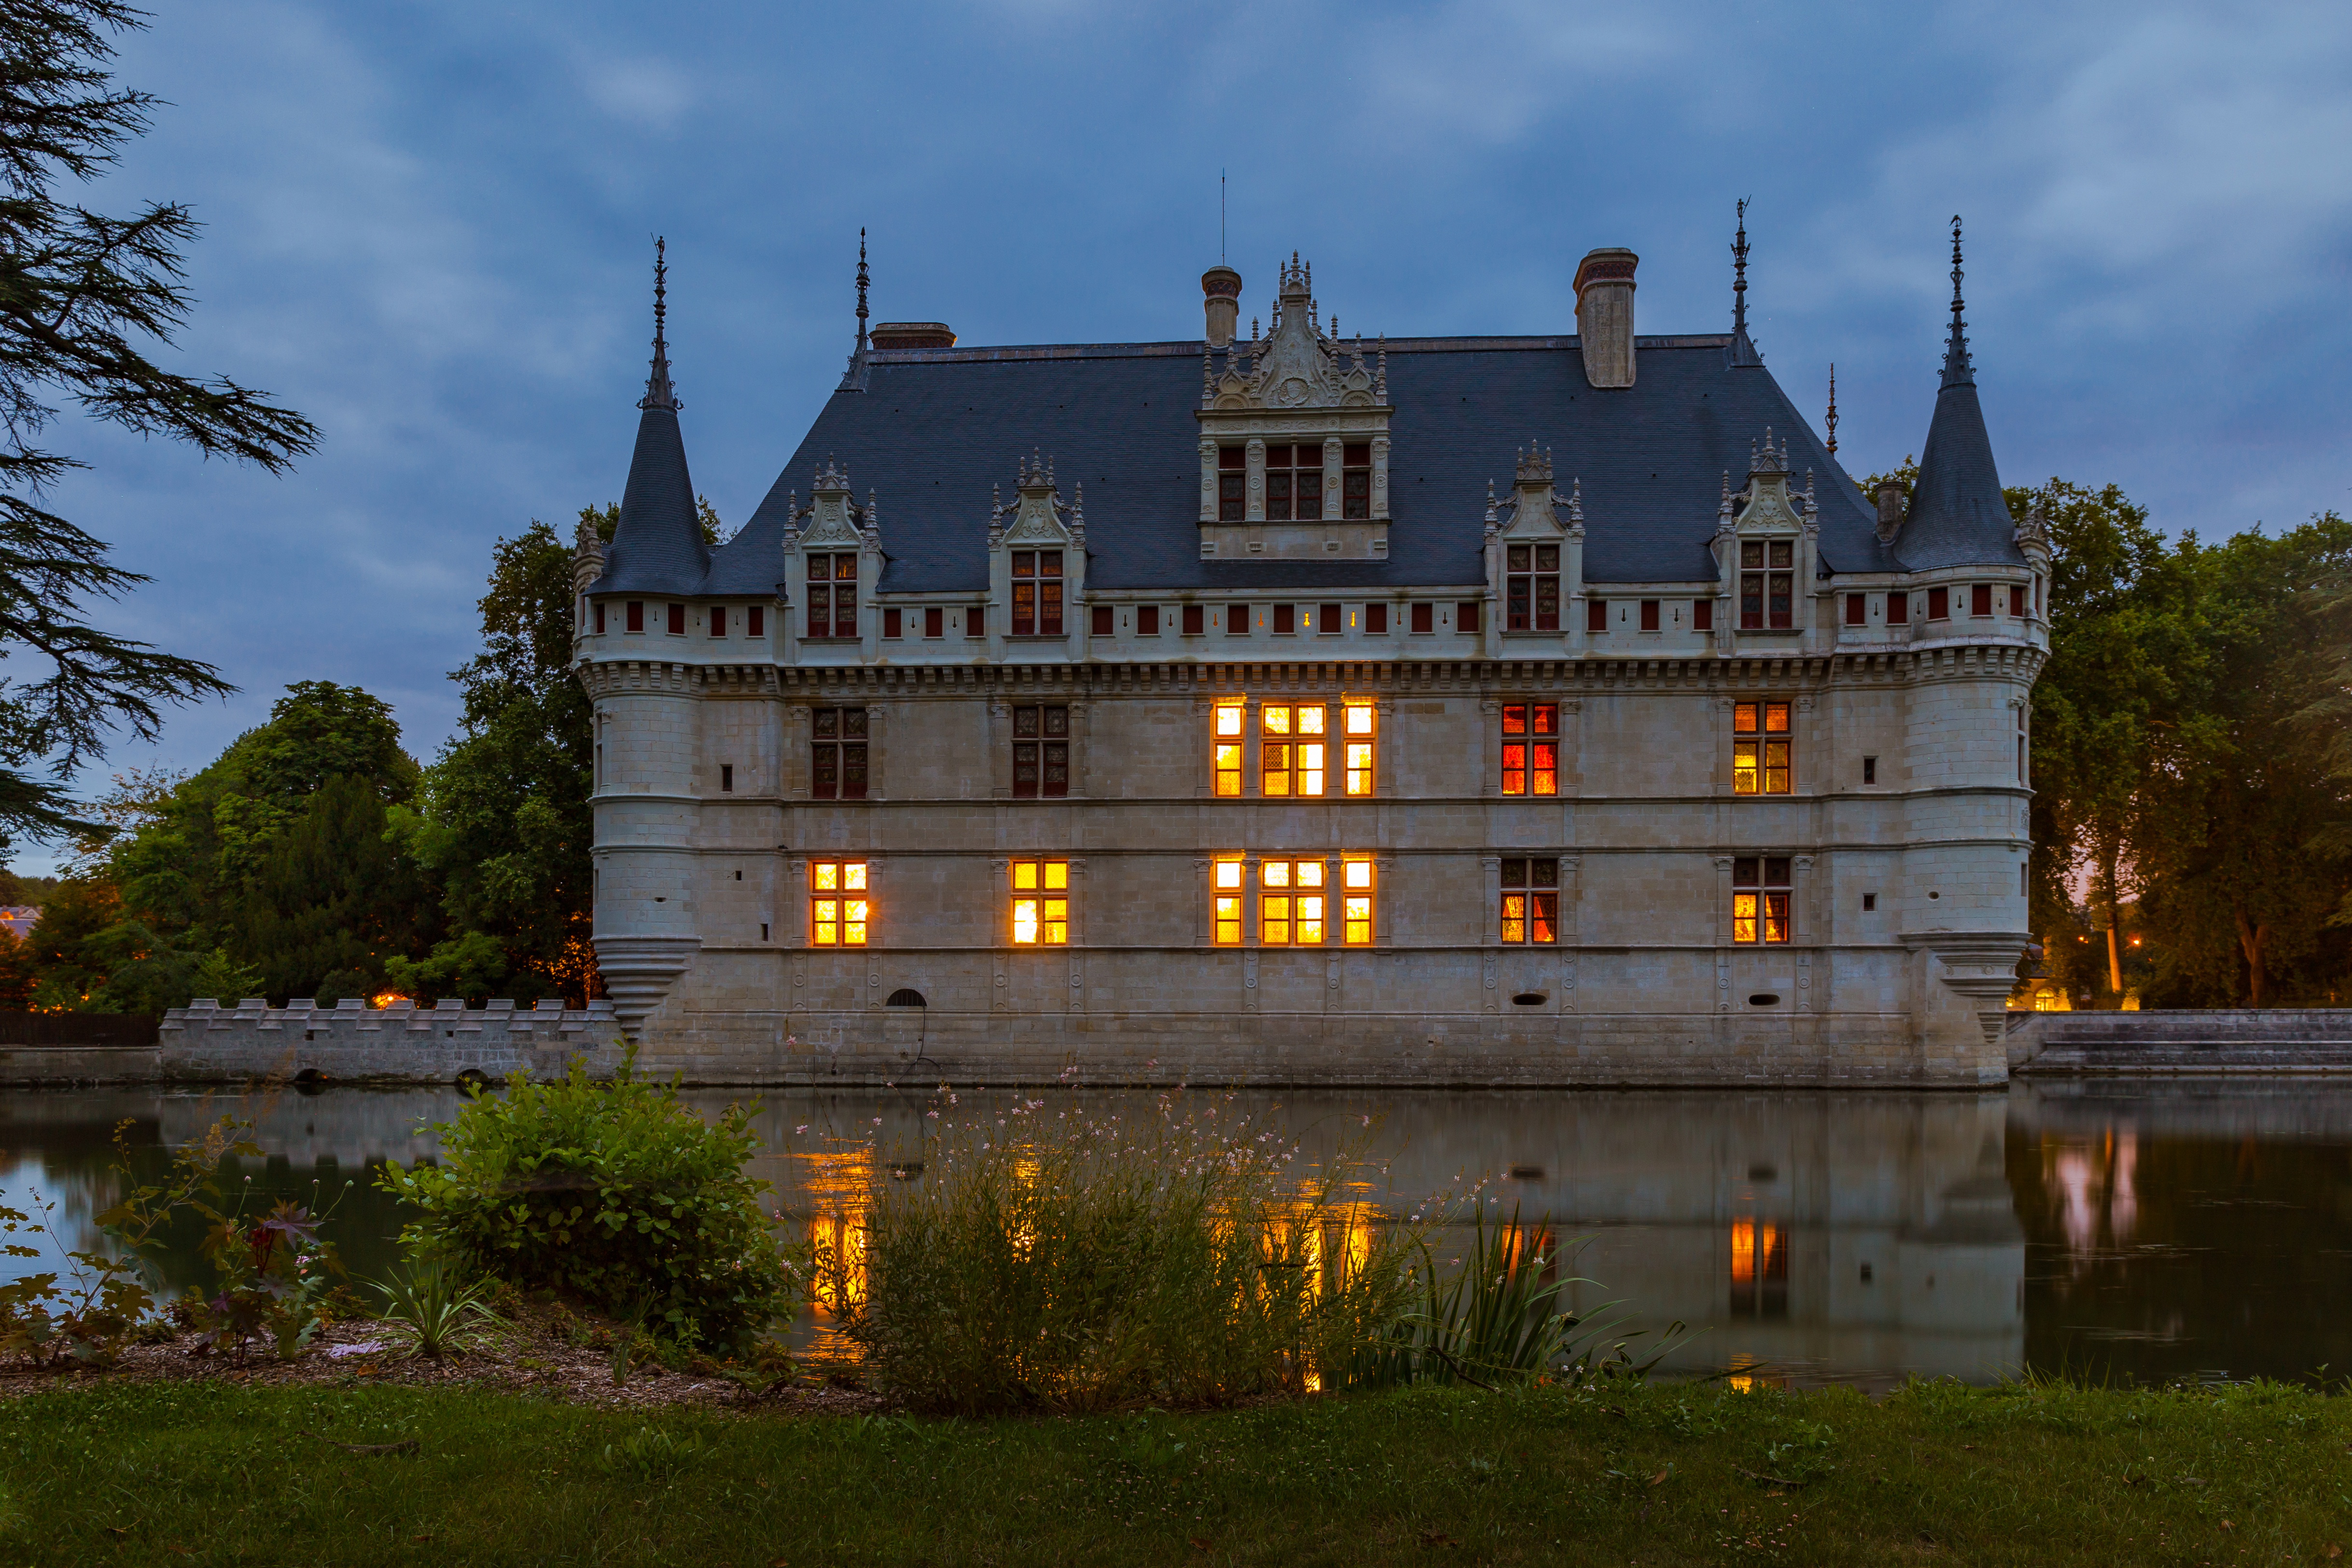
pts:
[2148, 1231]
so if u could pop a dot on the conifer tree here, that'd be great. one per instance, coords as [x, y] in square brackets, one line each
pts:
[85, 298]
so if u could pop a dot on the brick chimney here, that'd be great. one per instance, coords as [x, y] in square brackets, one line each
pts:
[1604, 315]
[1221, 288]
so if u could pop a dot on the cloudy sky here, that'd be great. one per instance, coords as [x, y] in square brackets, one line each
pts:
[429, 229]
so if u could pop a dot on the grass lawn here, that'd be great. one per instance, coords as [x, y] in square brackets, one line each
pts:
[199, 1473]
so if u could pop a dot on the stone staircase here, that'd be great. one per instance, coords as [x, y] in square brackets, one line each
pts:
[2233, 1040]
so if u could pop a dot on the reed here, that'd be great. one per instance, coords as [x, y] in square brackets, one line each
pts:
[1094, 1254]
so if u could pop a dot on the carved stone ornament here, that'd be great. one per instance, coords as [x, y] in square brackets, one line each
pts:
[1768, 506]
[1534, 503]
[1295, 367]
[834, 518]
[1038, 516]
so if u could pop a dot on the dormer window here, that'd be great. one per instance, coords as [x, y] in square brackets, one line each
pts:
[1294, 483]
[1768, 585]
[1531, 592]
[833, 594]
[1356, 481]
[1233, 484]
[1036, 593]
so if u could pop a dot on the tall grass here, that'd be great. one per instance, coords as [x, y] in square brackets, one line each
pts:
[1142, 1250]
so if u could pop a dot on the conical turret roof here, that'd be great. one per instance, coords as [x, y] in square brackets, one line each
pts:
[1957, 517]
[657, 547]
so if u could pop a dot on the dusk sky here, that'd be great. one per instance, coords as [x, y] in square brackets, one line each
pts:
[429, 228]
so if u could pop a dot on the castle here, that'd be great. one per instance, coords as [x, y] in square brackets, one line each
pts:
[1204, 711]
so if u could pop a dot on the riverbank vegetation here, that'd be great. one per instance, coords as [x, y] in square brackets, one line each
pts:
[1602, 1474]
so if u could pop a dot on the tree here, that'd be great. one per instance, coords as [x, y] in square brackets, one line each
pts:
[506, 821]
[83, 295]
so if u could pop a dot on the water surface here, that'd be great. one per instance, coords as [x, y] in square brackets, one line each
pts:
[2143, 1231]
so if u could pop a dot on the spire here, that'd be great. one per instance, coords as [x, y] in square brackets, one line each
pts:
[659, 393]
[1743, 351]
[1833, 408]
[1956, 514]
[854, 378]
[1958, 371]
[658, 546]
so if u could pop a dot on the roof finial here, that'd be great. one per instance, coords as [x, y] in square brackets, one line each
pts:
[1743, 350]
[864, 277]
[659, 393]
[1958, 371]
[1833, 408]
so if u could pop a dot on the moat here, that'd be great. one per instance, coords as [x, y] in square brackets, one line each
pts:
[2139, 1229]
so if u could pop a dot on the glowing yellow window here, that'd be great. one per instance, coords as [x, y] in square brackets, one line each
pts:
[837, 907]
[1363, 721]
[1229, 748]
[1355, 903]
[1229, 903]
[1760, 748]
[1290, 904]
[1041, 902]
[1291, 750]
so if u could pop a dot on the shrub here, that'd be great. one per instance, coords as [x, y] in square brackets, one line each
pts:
[615, 1193]
[1072, 1260]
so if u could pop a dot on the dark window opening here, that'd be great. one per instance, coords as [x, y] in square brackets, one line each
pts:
[677, 620]
[636, 615]
[1355, 480]
[1285, 620]
[833, 594]
[894, 623]
[1037, 593]
[935, 623]
[1237, 620]
[1376, 620]
[1233, 484]
[1146, 621]
[1870, 770]
[1768, 585]
[1328, 620]
[1857, 609]
[1596, 617]
[1649, 614]
[1466, 617]
[1041, 751]
[1424, 619]
[1531, 588]
[1102, 620]
[1294, 483]
[1703, 614]
[838, 753]
[1196, 620]
[726, 786]
[755, 621]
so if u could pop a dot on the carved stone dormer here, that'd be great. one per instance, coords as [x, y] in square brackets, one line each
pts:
[1767, 556]
[1037, 566]
[2033, 536]
[1296, 396]
[832, 525]
[1534, 561]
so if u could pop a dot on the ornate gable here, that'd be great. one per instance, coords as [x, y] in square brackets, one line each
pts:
[1534, 507]
[1038, 516]
[832, 520]
[1296, 366]
[1768, 506]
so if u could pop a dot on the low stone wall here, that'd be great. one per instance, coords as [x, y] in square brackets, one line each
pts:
[2230, 1040]
[352, 1043]
[65, 1067]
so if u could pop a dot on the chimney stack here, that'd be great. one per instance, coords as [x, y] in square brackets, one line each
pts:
[1221, 288]
[1890, 510]
[1604, 315]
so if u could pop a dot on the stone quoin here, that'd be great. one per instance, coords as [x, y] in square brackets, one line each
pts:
[1302, 707]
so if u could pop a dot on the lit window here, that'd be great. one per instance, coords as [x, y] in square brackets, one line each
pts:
[1530, 900]
[1041, 902]
[1037, 593]
[1768, 585]
[1531, 748]
[1355, 903]
[1290, 750]
[1229, 748]
[837, 907]
[833, 594]
[838, 753]
[1228, 904]
[1363, 728]
[1041, 751]
[1290, 904]
[1759, 748]
[1531, 588]
[1759, 898]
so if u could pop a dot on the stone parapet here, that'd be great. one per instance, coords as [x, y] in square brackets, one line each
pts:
[205, 1042]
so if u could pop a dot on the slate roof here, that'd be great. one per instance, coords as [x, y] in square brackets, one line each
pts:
[657, 544]
[934, 428]
[1957, 515]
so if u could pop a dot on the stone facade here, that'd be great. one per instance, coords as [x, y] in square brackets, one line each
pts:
[1896, 829]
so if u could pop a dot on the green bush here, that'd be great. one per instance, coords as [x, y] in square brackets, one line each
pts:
[1069, 1259]
[615, 1193]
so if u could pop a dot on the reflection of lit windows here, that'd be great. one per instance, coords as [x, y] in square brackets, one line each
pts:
[1228, 903]
[1760, 748]
[1229, 748]
[1290, 904]
[837, 907]
[1759, 898]
[1291, 750]
[1363, 725]
[1530, 900]
[1759, 1269]
[1531, 748]
[1041, 902]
